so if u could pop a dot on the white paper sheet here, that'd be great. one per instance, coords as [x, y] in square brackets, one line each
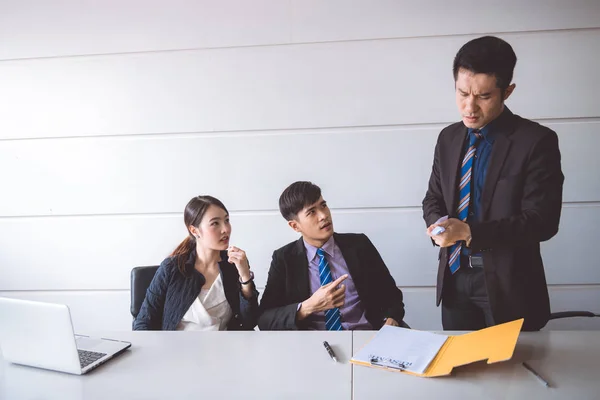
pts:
[401, 348]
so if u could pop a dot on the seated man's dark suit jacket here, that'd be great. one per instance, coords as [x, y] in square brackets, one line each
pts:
[288, 284]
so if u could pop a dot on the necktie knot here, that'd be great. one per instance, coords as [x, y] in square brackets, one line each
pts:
[474, 136]
[320, 252]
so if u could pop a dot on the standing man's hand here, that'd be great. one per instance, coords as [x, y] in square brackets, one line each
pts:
[391, 321]
[455, 230]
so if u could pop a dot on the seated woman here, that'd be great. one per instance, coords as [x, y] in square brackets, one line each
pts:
[205, 284]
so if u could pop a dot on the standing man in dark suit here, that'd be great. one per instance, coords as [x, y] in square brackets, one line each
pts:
[305, 290]
[498, 178]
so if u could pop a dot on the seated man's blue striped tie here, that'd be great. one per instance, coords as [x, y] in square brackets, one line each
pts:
[464, 188]
[333, 320]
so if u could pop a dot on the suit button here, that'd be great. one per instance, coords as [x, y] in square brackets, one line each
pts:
[236, 316]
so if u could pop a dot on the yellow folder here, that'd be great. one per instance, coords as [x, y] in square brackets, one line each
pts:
[494, 344]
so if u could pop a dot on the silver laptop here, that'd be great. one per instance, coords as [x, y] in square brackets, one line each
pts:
[41, 335]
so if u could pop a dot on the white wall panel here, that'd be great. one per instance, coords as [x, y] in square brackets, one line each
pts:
[377, 167]
[317, 21]
[345, 84]
[421, 311]
[34, 28]
[568, 257]
[365, 168]
[90, 310]
[82, 253]
[99, 252]
[578, 142]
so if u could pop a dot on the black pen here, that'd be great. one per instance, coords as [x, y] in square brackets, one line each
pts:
[330, 351]
[528, 368]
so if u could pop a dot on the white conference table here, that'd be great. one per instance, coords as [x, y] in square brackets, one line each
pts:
[200, 365]
[287, 365]
[568, 360]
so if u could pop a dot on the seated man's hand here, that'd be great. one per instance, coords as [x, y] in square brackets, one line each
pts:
[391, 321]
[325, 298]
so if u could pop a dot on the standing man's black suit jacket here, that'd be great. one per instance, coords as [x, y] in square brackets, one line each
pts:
[288, 283]
[520, 207]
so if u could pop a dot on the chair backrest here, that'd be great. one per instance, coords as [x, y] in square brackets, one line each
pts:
[140, 280]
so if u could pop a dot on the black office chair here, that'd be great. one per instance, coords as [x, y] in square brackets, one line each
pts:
[572, 325]
[568, 314]
[140, 280]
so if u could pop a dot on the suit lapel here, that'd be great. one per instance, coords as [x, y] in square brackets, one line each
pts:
[499, 151]
[502, 142]
[230, 282]
[455, 152]
[351, 257]
[299, 270]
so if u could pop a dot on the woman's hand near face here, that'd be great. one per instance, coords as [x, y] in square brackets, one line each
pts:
[238, 257]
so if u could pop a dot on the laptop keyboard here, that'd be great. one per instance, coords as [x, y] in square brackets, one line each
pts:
[88, 357]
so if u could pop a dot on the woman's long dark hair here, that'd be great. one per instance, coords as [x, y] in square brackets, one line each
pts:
[193, 214]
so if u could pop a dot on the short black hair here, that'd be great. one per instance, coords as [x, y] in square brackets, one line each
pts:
[487, 55]
[297, 196]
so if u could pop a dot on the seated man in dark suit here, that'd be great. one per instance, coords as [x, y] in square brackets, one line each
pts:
[304, 289]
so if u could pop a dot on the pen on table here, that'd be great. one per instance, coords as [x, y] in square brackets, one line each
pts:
[330, 351]
[528, 368]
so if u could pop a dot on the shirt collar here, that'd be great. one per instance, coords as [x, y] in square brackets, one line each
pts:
[328, 248]
[487, 131]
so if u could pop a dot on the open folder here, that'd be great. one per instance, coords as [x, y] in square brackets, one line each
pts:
[429, 354]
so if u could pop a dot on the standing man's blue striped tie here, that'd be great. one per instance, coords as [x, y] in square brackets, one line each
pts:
[333, 320]
[464, 188]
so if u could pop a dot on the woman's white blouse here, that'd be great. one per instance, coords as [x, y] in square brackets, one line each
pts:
[210, 311]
